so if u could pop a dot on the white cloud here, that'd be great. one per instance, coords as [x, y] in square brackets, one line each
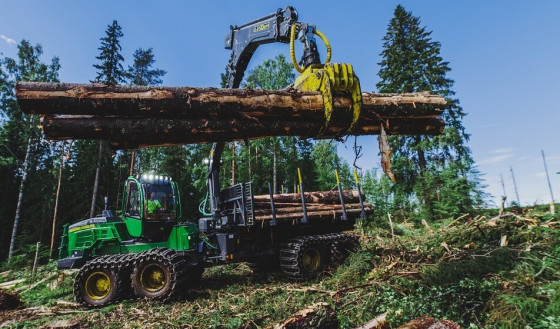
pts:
[540, 174]
[495, 159]
[9, 41]
[508, 150]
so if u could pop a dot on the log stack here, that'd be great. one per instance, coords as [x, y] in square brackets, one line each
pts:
[136, 116]
[319, 205]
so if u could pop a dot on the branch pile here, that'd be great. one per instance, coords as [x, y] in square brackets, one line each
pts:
[319, 205]
[135, 116]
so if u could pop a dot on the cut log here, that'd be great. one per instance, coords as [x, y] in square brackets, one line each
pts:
[323, 197]
[126, 133]
[133, 116]
[311, 207]
[189, 102]
[313, 214]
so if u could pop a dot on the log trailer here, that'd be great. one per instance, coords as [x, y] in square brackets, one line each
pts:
[148, 251]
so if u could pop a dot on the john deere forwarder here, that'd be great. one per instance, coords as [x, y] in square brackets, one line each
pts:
[156, 256]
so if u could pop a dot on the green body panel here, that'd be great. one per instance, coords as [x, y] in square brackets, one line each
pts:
[184, 237]
[107, 238]
[134, 226]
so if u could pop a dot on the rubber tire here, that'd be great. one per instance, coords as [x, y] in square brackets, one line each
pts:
[138, 287]
[80, 280]
[323, 261]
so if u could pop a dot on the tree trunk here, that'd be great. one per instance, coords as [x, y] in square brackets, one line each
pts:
[132, 159]
[61, 165]
[127, 133]
[188, 102]
[132, 116]
[323, 197]
[96, 182]
[25, 170]
[274, 170]
[232, 163]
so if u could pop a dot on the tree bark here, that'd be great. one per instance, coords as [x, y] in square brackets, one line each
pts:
[25, 170]
[126, 133]
[323, 197]
[134, 116]
[96, 182]
[189, 102]
[312, 214]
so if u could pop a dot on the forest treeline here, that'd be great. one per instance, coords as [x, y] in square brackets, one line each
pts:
[435, 175]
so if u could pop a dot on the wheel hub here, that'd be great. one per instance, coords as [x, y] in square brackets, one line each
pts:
[98, 285]
[152, 278]
[311, 260]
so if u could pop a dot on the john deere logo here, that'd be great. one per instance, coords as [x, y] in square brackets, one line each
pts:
[262, 27]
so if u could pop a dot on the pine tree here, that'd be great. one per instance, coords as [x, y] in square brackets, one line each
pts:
[432, 170]
[141, 72]
[110, 69]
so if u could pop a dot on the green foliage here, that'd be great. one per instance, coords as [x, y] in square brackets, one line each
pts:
[17, 131]
[141, 72]
[110, 69]
[272, 74]
[435, 174]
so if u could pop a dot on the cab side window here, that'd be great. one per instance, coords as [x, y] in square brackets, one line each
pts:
[133, 202]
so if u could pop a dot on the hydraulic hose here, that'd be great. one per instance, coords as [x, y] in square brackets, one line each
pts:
[293, 50]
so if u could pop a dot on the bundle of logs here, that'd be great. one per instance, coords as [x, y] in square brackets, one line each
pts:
[135, 116]
[324, 205]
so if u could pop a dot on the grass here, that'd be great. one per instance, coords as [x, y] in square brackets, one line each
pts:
[455, 270]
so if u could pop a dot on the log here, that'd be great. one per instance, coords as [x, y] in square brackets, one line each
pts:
[215, 103]
[135, 116]
[312, 207]
[313, 214]
[126, 133]
[323, 197]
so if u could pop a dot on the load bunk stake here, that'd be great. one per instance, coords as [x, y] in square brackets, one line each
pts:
[343, 216]
[363, 213]
[304, 219]
[273, 221]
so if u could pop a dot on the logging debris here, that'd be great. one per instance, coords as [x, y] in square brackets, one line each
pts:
[9, 300]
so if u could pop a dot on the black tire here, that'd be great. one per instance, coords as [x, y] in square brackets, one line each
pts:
[303, 258]
[342, 247]
[98, 283]
[158, 275]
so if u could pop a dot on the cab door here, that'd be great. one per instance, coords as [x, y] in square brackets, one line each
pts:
[133, 205]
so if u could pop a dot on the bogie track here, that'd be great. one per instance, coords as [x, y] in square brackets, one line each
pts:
[103, 280]
[159, 274]
[304, 257]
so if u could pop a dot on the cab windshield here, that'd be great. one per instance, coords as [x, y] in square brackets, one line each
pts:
[159, 202]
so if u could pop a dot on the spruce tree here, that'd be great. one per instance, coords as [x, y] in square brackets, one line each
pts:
[141, 72]
[437, 171]
[110, 69]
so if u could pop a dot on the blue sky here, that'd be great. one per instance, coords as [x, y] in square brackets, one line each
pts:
[504, 57]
